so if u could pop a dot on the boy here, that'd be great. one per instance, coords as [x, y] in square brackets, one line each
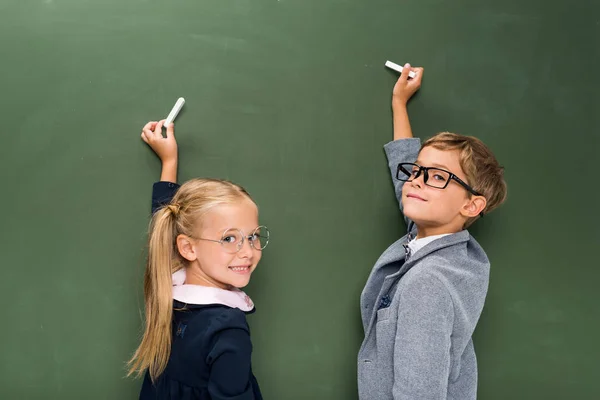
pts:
[426, 292]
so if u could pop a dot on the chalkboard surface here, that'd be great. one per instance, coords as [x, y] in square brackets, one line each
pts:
[291, 99]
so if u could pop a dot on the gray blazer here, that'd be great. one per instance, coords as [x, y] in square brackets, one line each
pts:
[419, 313]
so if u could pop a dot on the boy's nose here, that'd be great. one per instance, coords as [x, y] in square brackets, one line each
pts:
[419, 181]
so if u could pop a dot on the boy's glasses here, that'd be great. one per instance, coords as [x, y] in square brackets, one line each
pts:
[434, 177]
[233, 239]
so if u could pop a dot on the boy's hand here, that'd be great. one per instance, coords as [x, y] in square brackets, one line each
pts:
[165, 148]
[403, 91]
[405, 88]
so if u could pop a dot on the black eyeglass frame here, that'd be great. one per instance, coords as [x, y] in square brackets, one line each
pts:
[425, 171]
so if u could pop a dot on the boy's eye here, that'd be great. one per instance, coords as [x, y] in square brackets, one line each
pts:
[254, 237]
[439, 178]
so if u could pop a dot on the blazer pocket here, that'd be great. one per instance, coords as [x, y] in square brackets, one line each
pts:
[383, 314]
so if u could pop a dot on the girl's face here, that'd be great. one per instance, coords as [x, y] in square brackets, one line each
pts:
[214, 264]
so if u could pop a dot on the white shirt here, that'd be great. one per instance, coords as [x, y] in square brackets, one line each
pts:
[417, 244]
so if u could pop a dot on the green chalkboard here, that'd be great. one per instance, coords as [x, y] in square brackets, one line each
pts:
[290, 98]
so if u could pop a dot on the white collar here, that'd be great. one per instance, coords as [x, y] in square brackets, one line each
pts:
[204, 295]
[417, 244]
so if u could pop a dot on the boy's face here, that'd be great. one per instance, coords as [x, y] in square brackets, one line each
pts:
[434, 208]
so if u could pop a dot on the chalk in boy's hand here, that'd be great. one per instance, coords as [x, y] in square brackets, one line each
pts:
[405, 88]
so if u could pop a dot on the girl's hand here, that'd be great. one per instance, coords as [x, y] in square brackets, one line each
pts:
[165, 148]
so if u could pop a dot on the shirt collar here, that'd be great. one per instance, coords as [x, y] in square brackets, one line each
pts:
[417, 244]
[204, 295]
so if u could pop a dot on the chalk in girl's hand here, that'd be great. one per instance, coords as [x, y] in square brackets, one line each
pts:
[173, 114]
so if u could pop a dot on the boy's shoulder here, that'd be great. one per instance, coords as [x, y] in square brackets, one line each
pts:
[458, 250]
[456, 258]
[402, 146]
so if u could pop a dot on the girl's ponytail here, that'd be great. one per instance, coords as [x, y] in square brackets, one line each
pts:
[155, 348]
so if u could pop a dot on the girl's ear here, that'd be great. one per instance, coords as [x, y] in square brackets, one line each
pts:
[474, 207]
[185, 246]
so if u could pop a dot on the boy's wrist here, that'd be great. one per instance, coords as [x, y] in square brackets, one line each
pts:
[398, 104]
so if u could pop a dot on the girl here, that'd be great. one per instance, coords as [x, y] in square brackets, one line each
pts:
[204, 243]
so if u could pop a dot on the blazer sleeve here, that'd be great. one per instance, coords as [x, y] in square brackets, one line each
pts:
[400, 151]
[229, 359]
[423, 340]
[162, 194]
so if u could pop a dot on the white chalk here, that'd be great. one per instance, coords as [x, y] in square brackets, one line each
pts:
[398, 68]
[176, 108]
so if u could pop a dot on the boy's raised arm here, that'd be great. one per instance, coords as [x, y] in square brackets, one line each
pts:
[404, 148]
[403, 91]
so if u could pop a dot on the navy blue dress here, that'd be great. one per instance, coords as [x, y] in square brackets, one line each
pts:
[211, 348]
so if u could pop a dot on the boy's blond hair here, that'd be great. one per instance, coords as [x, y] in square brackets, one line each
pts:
[484, 173]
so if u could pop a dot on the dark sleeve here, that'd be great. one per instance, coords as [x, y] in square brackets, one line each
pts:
[162, 193]
[229, 359]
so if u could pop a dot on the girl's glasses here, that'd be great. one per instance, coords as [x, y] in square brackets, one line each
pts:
[233, 239]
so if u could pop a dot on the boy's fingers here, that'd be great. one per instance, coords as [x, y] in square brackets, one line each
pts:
[405, 71]
[143, 135]
[416, 81]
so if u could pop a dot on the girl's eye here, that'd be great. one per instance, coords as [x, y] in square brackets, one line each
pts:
[229, 239]
[439, 177]
[254, 237]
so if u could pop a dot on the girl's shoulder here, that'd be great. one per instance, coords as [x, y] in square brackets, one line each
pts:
[210, 318]
[205, 326]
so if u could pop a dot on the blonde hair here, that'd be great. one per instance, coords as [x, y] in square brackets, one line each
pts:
[181, 216]
[484, 173]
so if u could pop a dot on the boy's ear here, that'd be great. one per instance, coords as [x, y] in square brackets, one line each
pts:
[474, 207]
[186, 248]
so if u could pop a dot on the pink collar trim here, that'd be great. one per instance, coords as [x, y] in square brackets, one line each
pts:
[204, 295]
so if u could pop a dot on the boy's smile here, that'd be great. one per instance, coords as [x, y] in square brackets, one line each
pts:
[414, 196]
[436, 211]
